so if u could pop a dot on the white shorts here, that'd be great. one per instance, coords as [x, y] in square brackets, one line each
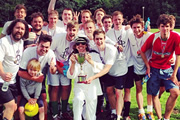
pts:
[57, 79]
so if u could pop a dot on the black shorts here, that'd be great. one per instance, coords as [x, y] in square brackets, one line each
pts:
[138, 77]
[10, 94]
[23, 101]
[118, 81]
[129, 82]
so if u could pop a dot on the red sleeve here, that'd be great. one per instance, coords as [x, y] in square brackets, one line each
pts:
[148, 44]
[177, 45]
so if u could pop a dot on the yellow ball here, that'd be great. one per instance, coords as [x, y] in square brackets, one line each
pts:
[31, 110]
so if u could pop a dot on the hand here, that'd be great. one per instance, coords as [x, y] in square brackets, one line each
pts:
[32, 101]
[174, 80]
[171, 61]
[52, 65]
[76, 16]
[148, 72]
[88, 57]
[73, 58]
[127, 27]
[120, 47]
[89, 80]
[39, 78]
[7, 77]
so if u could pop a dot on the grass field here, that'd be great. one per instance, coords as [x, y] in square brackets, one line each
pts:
[134, 107]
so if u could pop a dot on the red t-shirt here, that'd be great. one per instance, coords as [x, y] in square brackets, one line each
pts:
[160, 59]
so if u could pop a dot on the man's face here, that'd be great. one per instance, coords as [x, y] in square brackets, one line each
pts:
[100, 41]
[107, 23]
[137, 29]
[164, 30]
[43, 48]
[18, 31]
[53, 19]
[99, 15]
[67, 16]
[37, 24]
[89, 28]
[85, 17]
[20, 14]
[71, 33]
[117, 20]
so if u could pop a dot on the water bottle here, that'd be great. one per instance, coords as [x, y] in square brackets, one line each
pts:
[5, 86]
[145, 79]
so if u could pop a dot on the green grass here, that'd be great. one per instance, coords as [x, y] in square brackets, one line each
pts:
[134, 107]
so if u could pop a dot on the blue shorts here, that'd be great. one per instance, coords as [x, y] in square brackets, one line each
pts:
[154, 81]
[118, 81]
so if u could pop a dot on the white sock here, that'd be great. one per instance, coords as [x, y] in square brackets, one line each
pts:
[149, 108]
[141, 111]
[166, 119]
[113, 111]
[119, 117]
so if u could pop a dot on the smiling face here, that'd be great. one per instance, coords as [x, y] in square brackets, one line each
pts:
[107, 23]
[20, 14]
[18, 31]
[85, 17]
[100, 41]
[67, 16]
[71, 33]
[117, 21]
[43, 48]
[89, 28]
[137, 29]
[81, 47]
[53, 19]
[37, 24]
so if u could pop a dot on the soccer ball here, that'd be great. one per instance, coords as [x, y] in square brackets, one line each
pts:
[31, 110]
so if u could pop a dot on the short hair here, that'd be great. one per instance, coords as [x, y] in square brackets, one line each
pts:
[68, 9]
[37, 14]
[164, 19]
[34, 64]
[136, 19]
[100, 9]
[172, 17]
[115, 13]
[89, 21]
[97, 32]
[86, 11]
[72, 24]
[13, 24]
[19, 7]
[106, 17]
[45, 38]
[53, 12]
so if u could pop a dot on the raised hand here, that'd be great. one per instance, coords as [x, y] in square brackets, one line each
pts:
[76, 16]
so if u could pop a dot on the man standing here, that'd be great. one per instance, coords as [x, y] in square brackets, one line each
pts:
[19, 13]
[11, 48]
[163, 45]
[61, 45]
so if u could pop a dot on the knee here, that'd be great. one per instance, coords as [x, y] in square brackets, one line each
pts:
[43, 95]
[55, 89]
[11, 106]
[110, 91]
[41, 110]
[127, 91]
[21, 110]
[174, 93]
[119, 93]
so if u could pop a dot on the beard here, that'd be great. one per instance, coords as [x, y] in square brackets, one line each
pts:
[15, 36]
[37, 30]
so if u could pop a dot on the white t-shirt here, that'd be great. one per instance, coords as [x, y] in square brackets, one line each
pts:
[6, 25]
[110, 56]
[61, 47]
[136, 44]
[122, 37]
[8, 56]
[31, 52]
[53, 32]
[61, 24]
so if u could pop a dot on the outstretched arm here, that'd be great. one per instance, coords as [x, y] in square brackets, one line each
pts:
[51, 5]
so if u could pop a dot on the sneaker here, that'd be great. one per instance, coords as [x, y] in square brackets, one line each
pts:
[113, 116]
[127, 118]
[55, 117]
[66, 116]
[142, 116]
[150, 116]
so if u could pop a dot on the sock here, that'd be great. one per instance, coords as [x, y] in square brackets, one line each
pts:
[64, 105]
[113, 111]
[166, 119]
[149, 108]
[126, 108]
[141, 111]
[119, 117]
[99, 104]
[54, 107]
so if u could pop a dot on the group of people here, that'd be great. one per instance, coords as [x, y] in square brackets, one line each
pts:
[103, 57]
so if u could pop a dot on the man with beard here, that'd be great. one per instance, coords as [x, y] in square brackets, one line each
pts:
[11, 48]
[45, 56]
[19, 13]
[62, 47]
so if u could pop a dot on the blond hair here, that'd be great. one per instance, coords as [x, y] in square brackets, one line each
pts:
[34, 64]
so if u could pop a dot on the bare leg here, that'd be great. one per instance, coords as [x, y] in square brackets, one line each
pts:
[10, 108]
[41, 113]
[111, 97]
[21, 113]
[139, 96]
[157, 106]
[119, 101]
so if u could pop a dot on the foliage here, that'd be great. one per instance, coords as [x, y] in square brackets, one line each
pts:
[153, 8]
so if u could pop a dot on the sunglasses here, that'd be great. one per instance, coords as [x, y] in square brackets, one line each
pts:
[81, 43]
